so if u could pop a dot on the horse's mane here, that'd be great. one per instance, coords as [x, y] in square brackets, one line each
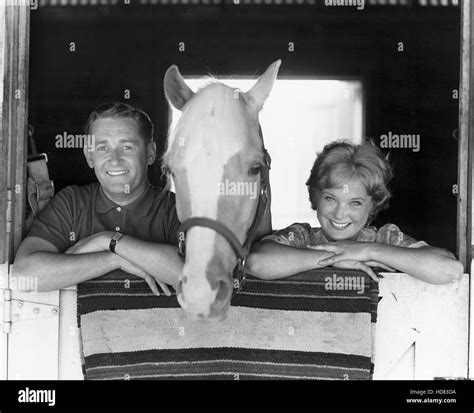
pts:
[203, 102]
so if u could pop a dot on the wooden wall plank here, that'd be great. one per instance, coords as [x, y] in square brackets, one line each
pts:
[466, 135]
[13, 139]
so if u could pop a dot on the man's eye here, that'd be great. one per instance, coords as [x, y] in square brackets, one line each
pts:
[127, 148]
[329, 199]
[101, 148]
[356, 203]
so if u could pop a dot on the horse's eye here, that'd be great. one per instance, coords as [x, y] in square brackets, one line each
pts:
[255, 170]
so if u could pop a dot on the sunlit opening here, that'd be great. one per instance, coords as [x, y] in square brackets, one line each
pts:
[298, 119]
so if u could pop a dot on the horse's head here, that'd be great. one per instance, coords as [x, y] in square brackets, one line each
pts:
[216, 157]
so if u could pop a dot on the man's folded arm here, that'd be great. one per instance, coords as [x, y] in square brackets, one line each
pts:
[39, 258]
[160, 260]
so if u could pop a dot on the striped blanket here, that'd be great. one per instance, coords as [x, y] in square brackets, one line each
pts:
[314, 325]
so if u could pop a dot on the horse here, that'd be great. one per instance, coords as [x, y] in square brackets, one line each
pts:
[216, 158]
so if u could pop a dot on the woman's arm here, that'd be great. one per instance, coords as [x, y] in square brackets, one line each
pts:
[429, 264]
[433, 265]
[270, 260]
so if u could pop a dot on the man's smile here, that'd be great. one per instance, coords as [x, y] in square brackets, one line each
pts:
[118, 173]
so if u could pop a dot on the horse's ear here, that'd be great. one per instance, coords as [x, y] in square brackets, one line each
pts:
[176, 90]
[257, 96]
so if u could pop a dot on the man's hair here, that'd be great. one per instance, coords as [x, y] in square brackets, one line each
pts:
[123, 110]
[340, 161]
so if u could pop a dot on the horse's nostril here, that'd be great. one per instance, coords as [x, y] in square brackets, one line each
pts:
[223, 288]
[180, 287]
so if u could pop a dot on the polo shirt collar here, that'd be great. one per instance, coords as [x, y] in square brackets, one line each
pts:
[139, 207]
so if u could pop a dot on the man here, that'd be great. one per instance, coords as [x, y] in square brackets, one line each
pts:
[122, 222]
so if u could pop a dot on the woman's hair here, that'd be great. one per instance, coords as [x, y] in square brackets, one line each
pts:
[122, 110]
[340, 161]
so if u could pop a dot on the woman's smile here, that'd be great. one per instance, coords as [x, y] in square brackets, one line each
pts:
[344, 211]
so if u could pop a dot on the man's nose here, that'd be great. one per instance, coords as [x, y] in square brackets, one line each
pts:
[115, 156]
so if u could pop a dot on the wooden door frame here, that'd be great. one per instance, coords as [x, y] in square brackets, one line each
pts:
[14, 125]
[466, 136]
[13, 150]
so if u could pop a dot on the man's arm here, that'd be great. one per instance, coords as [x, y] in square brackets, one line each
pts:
[39, 258]
[160, 260]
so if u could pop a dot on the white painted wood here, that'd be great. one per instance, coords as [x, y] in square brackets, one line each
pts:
[69, 359]
[433, 317]
[393, 332]
[404, 369]
[34, 338]
[442, 317]
[471, 332]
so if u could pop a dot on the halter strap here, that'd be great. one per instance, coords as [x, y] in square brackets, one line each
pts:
[241, 251]
[216, 226]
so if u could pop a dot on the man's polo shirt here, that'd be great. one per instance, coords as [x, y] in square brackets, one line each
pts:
[78, 212]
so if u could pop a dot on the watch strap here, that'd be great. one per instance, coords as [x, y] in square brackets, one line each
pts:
[114, 240]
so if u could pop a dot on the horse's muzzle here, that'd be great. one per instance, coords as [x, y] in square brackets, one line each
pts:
[210, 301]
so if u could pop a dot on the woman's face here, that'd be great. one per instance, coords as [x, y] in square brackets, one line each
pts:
[343, 212]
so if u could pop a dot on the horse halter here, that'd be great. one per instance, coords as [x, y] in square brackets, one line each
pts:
[241, 251]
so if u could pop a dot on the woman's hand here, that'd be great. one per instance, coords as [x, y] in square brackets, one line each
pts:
[342, 249]
[95, 243]
[357, 265]
[345, 251]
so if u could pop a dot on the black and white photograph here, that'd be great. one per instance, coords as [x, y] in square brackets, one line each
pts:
[273, 191]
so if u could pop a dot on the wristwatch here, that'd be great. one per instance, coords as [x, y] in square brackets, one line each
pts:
[114, 240]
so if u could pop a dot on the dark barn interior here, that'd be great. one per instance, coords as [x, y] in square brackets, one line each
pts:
[129, 47]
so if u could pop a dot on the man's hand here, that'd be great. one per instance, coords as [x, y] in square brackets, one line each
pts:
[95, 243]
[133, 269]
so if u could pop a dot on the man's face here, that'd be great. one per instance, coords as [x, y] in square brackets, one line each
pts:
[120, 158]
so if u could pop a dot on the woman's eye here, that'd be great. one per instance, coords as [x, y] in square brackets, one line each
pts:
[101, 148]
[127, 148]
[329, 199]
[356, 203]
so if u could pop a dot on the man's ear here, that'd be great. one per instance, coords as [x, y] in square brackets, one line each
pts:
[176, 90]
[151, 153]
[87, 150]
